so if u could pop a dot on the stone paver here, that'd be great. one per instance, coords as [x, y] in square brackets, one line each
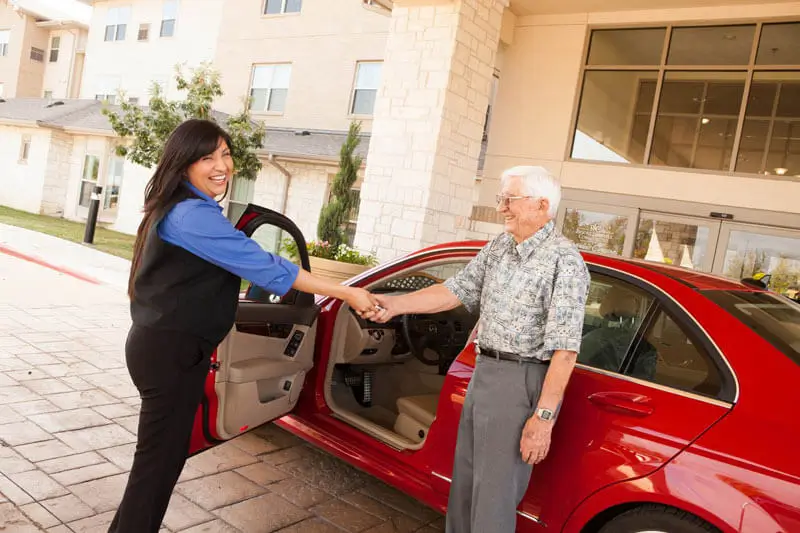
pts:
[68, 417]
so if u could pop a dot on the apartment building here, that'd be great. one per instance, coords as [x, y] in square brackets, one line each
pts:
[41, 51]
[306, 79]
[135, 43]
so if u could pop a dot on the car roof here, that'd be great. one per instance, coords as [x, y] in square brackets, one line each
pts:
[694, 279]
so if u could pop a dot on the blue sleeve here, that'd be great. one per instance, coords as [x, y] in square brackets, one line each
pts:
[203, 230]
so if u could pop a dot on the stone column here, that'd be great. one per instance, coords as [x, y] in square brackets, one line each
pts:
[428, 123]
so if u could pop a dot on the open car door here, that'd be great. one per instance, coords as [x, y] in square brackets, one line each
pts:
[258, 370]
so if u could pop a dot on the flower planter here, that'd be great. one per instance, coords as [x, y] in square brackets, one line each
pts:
[335, 270]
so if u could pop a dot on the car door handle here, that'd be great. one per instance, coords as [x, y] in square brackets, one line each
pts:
[625, 402]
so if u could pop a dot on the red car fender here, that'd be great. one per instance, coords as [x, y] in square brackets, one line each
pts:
[723, 505]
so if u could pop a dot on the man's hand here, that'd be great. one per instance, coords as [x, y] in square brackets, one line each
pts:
[535, 441]
[387, 310]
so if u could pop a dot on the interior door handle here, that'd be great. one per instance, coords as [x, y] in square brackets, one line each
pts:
[624, 402]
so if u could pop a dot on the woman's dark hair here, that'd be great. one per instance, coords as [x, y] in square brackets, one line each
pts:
[187, 144]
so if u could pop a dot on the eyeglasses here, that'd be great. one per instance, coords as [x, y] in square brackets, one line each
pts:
[506, 200]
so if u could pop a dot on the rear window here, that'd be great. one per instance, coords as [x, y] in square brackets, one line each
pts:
[774, 317]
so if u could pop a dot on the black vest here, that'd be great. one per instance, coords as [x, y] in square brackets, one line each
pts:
[177, 290]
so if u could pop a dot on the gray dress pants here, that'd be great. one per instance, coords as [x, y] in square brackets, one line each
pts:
[489, 475]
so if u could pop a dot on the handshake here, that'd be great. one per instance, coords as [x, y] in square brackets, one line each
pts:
[374, 307]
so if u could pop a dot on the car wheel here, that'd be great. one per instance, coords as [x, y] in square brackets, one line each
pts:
[657, 519]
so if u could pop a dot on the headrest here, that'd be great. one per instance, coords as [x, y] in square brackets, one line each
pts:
[619, 302]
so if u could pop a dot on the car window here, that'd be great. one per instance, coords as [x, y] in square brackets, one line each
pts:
[668, 356]
[614, 311]
[772, 316]
[274, 240]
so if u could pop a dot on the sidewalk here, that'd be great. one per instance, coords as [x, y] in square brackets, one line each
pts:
[69, 417]
[13, 520]
[77, 260]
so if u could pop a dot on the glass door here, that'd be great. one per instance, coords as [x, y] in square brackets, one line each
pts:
[746, 250]
[598, 228]
[676, 240]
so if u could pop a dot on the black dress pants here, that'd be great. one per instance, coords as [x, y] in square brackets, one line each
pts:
[169, 369]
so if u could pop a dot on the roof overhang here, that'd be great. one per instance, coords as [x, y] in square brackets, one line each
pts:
[62, 24]
[383, 6]
[19, 122]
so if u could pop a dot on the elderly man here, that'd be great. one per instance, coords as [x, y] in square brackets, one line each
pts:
[530, 285]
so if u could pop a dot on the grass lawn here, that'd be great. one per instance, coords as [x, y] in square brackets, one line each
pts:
[112, 242]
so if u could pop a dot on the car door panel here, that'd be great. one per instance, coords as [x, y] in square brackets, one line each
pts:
[612, 428]
[259, 369]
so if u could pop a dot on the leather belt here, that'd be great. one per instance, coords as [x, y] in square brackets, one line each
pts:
[507, 356]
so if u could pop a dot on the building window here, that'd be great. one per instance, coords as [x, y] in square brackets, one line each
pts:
[242, 191]
[37, 54]
[107, 90]
[168, 18]
[91, 169]
[674, 96]
[269, 88]
[133, 100]
[5, 37]
[278, 7]
[117, 23]
[144, 32]
[116, 167]
[25, 149]
[368, 79]
[55, 44]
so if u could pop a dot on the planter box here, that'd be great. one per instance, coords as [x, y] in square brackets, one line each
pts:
[335, 270]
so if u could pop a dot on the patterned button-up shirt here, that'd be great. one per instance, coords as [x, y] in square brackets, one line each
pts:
[531, 296]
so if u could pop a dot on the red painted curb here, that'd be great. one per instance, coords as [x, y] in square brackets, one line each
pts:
[37, 261]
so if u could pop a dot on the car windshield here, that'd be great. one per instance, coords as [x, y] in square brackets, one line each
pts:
[774, 317]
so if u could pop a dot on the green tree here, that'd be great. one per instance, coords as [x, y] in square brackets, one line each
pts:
[334, 216]
[146, 129]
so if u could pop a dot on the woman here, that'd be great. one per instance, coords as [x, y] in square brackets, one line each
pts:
[185, 275]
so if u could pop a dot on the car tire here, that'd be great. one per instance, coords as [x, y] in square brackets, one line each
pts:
[657, 519]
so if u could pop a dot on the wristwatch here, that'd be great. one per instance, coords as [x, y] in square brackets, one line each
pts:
[545, 414]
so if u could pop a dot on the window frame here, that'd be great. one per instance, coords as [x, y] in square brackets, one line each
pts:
[239, 204]
[119, 23]
[83, 180]
[662, 301]
[661, 69]
[5, 45]
[53, 48]
[143, 27]
[351, 110]
[164, 20]
[37, 54]
[112, 179]
[25, 149]
[282, 12]
[267, 110]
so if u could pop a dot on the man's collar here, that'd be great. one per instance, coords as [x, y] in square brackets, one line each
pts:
[526, 247]
[201, 194]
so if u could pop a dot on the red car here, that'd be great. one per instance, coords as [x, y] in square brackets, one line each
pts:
[679, 418]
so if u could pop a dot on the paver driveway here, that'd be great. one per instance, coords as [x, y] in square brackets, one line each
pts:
[68, 423]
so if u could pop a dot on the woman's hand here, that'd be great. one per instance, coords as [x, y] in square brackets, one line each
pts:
[363, 302]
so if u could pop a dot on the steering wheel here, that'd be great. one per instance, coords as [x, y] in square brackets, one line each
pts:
[422, 334]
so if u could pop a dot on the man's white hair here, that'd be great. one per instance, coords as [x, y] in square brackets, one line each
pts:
[538, 182]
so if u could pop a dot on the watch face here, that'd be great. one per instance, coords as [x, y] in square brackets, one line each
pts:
[545, 414]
